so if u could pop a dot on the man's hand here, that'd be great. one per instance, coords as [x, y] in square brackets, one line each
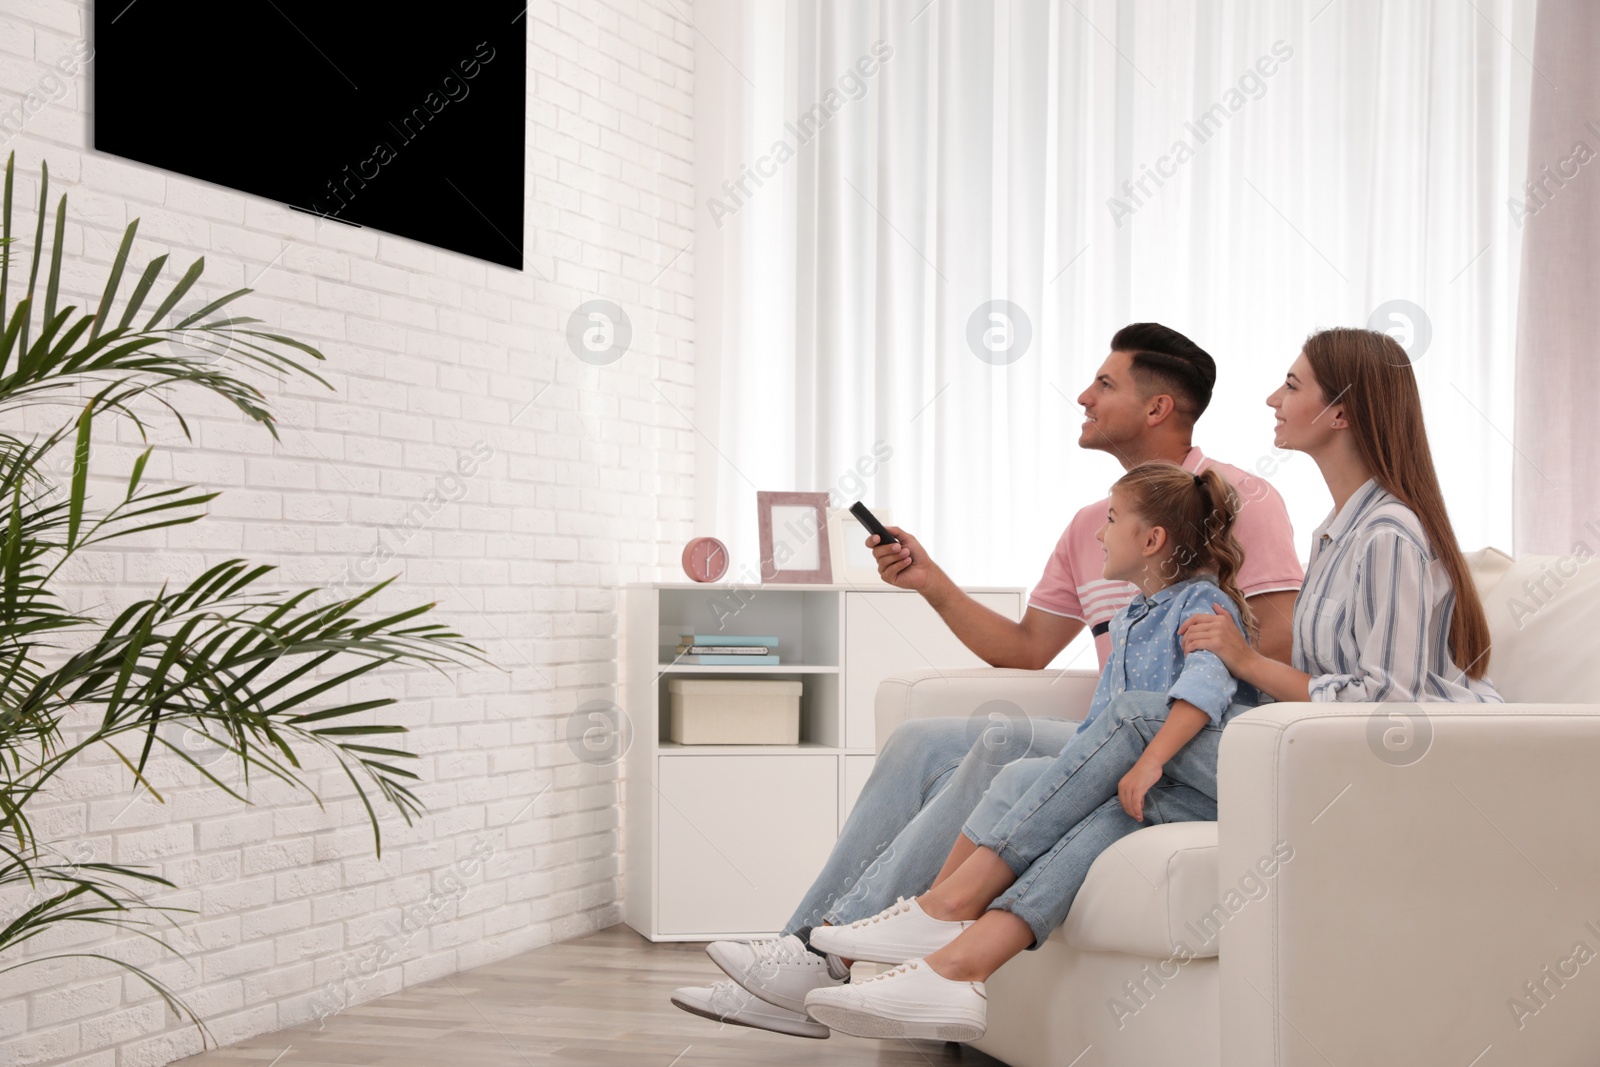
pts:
[1219, 634]
[905, 565]
[1135, 784]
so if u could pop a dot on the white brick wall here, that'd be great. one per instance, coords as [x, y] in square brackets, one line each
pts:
[431, 355]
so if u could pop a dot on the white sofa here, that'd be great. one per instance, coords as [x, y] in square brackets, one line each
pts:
[1385, 884]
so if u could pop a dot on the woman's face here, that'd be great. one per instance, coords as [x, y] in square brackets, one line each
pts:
[1305, 420]
[1124, 536]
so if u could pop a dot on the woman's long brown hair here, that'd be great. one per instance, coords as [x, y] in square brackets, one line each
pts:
[1370, 374]
[1198, 513]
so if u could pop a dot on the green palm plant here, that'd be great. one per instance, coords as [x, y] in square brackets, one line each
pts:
[253, 670]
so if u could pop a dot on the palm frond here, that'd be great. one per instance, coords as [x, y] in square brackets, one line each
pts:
[268, 675]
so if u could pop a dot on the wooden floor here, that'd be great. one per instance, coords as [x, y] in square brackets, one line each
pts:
[596, 1000]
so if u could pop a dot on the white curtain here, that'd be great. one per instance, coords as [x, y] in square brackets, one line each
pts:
[1557, 467]
[1336, 157]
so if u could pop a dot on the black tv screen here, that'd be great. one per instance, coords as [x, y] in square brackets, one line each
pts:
[405, 118]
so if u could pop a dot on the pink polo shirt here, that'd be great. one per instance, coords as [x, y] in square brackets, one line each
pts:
[1071, 584]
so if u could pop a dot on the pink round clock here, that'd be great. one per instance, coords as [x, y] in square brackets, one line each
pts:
[705, 559]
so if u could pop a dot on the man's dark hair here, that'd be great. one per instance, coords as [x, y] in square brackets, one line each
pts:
[1165, 361]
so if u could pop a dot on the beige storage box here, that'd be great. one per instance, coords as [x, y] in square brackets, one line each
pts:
[733, 711]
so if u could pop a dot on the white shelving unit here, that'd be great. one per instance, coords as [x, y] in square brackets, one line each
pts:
[722, 840]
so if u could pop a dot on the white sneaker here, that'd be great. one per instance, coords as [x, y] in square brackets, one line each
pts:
[725, 1002]
[900, 932]
[909, 1001]
[779, 970]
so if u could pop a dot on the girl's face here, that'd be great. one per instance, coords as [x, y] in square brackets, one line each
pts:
[1305, 421]
[1133, 547]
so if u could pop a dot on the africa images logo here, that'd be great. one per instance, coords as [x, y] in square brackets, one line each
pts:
[1250, 87]
[453, 88]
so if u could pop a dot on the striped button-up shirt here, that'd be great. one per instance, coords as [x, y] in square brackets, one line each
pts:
[1372, 621]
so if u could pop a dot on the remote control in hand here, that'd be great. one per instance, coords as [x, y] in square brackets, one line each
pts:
[870, 521]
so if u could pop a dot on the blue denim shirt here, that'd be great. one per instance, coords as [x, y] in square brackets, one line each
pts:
[1147, 652]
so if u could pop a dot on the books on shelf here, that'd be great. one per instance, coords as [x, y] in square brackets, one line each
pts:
[725, 650]
[728, 650]
[729, 640]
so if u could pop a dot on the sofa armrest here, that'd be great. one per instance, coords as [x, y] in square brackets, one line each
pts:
[1413, 884]
[926, 693]
[1153, 893]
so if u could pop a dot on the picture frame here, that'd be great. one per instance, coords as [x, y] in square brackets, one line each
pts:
[794, 538]
[853, 562]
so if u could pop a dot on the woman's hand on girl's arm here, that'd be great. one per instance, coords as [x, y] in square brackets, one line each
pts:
[1220, 635]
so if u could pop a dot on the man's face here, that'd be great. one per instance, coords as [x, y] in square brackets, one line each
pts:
[1114, 413]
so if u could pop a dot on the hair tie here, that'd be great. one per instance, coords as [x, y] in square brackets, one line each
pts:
[1199, 482]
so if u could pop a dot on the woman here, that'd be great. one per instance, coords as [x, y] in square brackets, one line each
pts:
[1388, 612]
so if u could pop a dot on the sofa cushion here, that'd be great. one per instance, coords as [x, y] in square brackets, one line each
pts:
[1151, 894]
[1488, 566]
[1543, 614]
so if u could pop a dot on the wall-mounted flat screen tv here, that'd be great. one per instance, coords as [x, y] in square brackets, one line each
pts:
[407, 118]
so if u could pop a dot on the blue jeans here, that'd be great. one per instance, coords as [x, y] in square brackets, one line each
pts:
[1048, 819]
[926, 781]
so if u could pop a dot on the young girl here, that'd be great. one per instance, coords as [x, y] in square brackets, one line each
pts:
[1146, 750]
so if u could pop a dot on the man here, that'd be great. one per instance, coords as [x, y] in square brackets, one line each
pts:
[1142, 405]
